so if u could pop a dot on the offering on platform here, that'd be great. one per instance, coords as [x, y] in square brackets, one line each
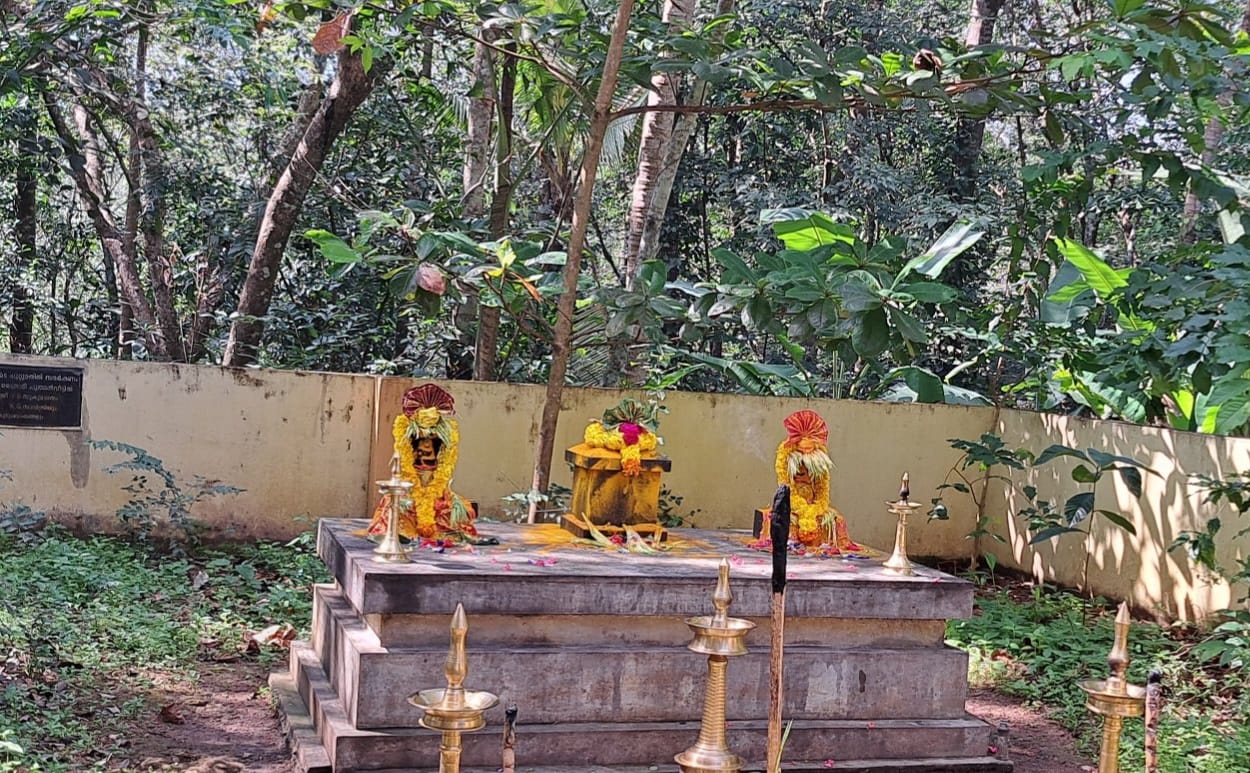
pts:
[616, 474]
[427, 441]
[803, 464]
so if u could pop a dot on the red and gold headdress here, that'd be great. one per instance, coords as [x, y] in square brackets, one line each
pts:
[806, 431]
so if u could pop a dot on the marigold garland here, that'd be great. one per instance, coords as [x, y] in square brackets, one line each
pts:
[599, 436]
[423, 496]
[809, 502]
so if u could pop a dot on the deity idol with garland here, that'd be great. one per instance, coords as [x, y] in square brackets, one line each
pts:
[427, 441]
[804, 465]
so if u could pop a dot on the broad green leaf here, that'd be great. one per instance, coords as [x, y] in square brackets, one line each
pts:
[1055, 451]
[1132, 478]
[1106, 460]
[871, 335]
[950, 245]
[929, 292]
[332, 247]
[805, 229]
[1120, 521]
[1051, 532]
[1083, 474]
[736, 269]
[1078, 507]
[1102, 278]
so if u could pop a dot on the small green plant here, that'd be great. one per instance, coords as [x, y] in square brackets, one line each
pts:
[1046, 520]
[670, 513]
[157, 494]
[1229, 642]
[985, 455]
[555, 502]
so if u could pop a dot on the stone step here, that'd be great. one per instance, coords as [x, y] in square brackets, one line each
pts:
[582, 745]
[639, 631]
[602, 682]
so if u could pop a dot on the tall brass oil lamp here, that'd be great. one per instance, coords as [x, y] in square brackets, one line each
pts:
[453, 709]
[719, 637]
[1114, 698]
[897, 563]
[390, 549]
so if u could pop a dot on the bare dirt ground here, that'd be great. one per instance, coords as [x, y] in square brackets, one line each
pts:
[225, 724]
[1038, 745]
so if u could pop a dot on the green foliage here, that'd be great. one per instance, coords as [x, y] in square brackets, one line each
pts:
[672, 514]
[552, 504]
[1229, 642]
[1048, 520]
[1038, 648]
[95, 623]
[974, 470]
[165, 501]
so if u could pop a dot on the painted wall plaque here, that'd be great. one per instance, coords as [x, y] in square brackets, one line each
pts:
[40, 397]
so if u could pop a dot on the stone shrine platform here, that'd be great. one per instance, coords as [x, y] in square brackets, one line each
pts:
[591, 646]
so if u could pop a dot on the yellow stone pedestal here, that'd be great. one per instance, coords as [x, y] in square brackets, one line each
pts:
[607, 496]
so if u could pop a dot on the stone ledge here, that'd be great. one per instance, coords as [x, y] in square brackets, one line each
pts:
[536, 571]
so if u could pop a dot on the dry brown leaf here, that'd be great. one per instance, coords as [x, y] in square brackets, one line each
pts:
[274, 635]
[430, 279]
[329, 37]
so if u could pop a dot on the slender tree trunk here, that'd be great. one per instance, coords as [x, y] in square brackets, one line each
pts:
[152, 213]
[970, 132]
[599, 121]
[486, 348]
[683, 130]
[481, 118]
[25, 210]
[655, 146]
[85, 169]
[477, 167]
[350, 88]
[1212, 138]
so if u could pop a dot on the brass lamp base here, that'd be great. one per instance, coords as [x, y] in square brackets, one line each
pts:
[718, 636]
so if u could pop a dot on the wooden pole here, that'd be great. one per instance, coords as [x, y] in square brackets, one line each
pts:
[1154, 707]
[600, 118]
[509, 739]
[779, 534]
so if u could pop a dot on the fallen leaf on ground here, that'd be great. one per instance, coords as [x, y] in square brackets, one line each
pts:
[274, 635]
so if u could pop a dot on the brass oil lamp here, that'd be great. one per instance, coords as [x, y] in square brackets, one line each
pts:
[897, 563]
[453, 709]
[719, 637]
[390, 549]
[1114, 698]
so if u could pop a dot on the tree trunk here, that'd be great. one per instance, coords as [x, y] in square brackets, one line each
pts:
[152, 212]
[970, 132]
[486, 348]
[599, 121]
[1212, 137]
[350, 88]
[655, 148]
[25, 210]
[84, 167]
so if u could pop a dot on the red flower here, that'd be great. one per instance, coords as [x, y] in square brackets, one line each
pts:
[630, 432]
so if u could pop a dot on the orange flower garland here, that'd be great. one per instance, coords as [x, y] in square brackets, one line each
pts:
[424, 497]
[599, 436]
[809, 503]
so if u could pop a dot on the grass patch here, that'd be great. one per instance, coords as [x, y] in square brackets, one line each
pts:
[1037, 645]
[89, 628]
